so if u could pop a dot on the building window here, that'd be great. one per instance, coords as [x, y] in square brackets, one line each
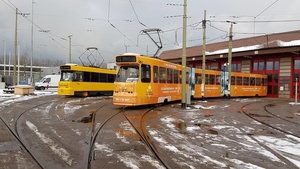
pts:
[270, 65]
[261, 65]
[297, 64]
[207, 66]
[276, 65]
[235, 66]
[255, 66]
[239, 65]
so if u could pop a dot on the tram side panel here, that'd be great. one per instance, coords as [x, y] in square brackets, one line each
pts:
[248, 85]
[212, 87]
[85, 80]
[156, 81]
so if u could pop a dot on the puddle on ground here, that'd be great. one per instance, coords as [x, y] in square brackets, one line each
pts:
[208, 128]
[208, 113]
[259, 115]
[128, 133]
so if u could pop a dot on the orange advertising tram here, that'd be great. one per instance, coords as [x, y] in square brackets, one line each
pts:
[143, 80]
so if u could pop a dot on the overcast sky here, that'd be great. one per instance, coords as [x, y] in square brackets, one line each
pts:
[112, 26]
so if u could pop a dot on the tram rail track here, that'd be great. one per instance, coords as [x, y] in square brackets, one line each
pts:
[261, 118]
[142, 132]
[138, 126]
[208, 135]
[39, 129]
[16, 132]
[95, 131]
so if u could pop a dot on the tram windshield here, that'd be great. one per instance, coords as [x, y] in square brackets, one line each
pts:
[71, 76]
[128, 74]
[66, 76]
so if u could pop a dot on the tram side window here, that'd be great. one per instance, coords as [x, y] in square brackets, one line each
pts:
[207, 79]
[239, 80]
[246, 81]
[180, 77]
[187, 78]
[86, 77]
[94, 77]
[218, 79]
[146, 73]
[103, 77]
[212, 79]
[162, 75]
[176, 76]
[232, 80]
[258, 82]
[155, 74]
[252, 81]
[198, 78]
[111, 78]
[264, 81]
[170, 75]
[77, 76]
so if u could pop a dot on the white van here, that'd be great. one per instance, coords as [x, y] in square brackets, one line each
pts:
[49, 81]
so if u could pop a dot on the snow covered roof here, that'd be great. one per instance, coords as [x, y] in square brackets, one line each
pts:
[270, 42]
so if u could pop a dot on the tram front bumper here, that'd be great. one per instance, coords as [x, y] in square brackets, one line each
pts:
[125, 101]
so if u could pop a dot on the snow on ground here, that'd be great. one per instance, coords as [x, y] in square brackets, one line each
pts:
[37, 93]
[186, 151]
[10, 98]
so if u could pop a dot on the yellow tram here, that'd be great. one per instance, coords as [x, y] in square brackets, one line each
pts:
[85, 81]
[142, 80]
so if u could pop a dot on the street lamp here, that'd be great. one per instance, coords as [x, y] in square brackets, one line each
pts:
[230, 55]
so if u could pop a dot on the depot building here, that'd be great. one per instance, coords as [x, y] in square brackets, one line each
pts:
[277, 55]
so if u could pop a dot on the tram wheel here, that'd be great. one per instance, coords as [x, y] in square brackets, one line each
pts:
[85, 94]
[165, 101]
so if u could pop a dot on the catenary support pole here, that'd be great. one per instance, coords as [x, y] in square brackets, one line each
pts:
[16, 46]
[183, 82]
[203, 56]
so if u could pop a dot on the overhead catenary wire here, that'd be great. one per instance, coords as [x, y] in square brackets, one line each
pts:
[36, 25]
[53, 37]
[136, 15]
[47, 33]
[121, 31]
